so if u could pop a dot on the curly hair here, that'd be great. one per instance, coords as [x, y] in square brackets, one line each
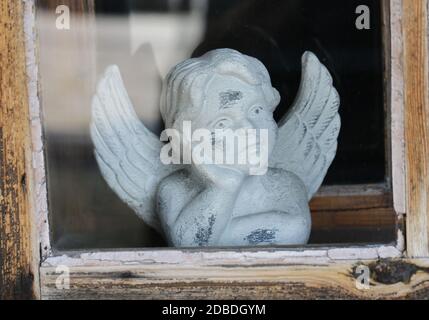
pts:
[185, 87]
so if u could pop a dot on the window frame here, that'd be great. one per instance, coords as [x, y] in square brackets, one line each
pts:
[177, 257]
[310, 272]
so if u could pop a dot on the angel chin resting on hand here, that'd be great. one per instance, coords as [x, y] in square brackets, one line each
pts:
[221, 205]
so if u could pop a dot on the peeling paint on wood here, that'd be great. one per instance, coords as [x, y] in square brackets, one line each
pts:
[395, 96]
[334, 280]
[18, 269]
[39, 195]
[244, 256]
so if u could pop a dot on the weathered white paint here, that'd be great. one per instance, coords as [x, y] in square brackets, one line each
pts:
[40, 201]
[397, 107]
[222, 256]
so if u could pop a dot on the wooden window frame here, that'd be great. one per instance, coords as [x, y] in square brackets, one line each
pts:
[28, 267]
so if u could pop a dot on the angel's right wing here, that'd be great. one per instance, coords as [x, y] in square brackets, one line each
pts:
[127, 153]
[308, 133]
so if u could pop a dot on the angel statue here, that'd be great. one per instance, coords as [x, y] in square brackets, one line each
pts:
[208, 204]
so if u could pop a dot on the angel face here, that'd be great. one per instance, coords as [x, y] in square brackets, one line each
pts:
[241, 108]
[223, 90]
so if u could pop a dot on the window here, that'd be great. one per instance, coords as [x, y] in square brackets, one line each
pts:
[143, 38]
[352, 203]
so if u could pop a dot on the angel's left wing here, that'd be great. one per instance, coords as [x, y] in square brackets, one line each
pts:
[308, 133]
[127, 152]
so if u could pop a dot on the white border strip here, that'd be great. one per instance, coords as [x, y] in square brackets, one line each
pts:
[262, 256]
[397, 107]
[40, 200]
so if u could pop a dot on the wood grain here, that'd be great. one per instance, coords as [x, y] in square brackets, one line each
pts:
[353, 214]
[18, 257]
[416, 125]
[334, 280]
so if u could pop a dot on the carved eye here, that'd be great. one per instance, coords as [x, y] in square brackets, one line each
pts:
[222, 124]
[256, 110]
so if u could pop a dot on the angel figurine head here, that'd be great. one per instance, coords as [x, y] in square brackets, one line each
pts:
[222, 90]
[194, 203]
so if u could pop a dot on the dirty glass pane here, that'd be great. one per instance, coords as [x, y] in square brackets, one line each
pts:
[146, 38]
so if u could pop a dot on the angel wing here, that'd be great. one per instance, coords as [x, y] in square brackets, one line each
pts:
[127, 153]
[308, 133]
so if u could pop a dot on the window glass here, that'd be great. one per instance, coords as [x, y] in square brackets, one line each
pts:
[146, 38]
